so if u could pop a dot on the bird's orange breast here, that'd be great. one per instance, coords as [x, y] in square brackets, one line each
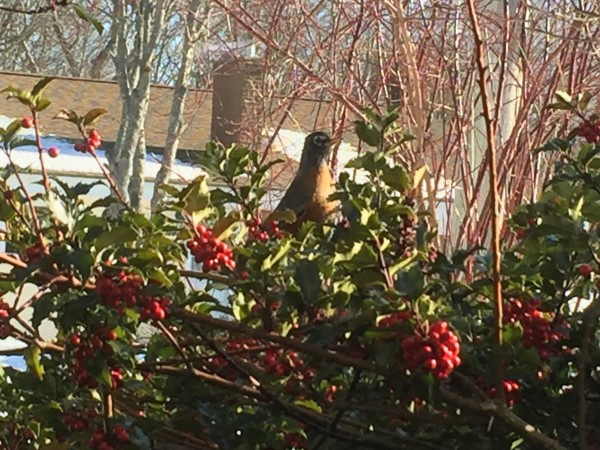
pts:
[321, 184]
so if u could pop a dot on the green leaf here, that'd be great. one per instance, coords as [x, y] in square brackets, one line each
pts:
[11, 130]
[309, 404]
[367, 133]
[84, 188]
[104, 377]
[195, 199]
[115, 236]
[32, 357]
[399, 265]
[418, 176]
[271, 260]
[69, 115]
[171, 190]
[516, 444]
[41, 85]
[23, 96]
[395, 177]
[83, 14]
[58, 210]
[42, 104]
[583, 99]
[563, 97]
[83, 261]
[554, 145]
[41, 310]
[6, 211]
[307, 275]
[92, 116]
[16, 143]
[224, 227]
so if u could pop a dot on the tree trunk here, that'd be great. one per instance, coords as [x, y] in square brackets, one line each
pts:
[137, 28]
[192, 32]
[136, 186]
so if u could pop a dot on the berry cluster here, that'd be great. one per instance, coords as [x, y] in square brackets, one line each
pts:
[393, 324]
[123, 290]
[331, 392]
[86, 347]
[211, 252]
[295, 440]
[219, 364]
[77, 421]
[120, 289]
[538, 330]
[155, 307]
[511, 392]
[91, 144]
[5, 328]
[260, 306]
[436, 352]
[263, 232]
[109, 441]
[394, 319]
[276, 363]
[34, 253]
[590, 131]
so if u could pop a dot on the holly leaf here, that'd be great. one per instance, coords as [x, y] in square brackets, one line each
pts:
[307, 276]
[40, 86]
[32, 357]
[273, 259]
[92, 116]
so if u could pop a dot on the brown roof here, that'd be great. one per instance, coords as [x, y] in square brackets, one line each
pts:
[81, 95]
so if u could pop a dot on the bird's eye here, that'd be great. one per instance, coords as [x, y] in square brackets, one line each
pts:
[319, 139]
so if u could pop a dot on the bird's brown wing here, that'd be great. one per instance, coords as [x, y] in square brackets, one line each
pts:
[308, 195]
[295, 199]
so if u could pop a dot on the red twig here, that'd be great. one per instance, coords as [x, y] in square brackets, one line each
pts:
[491, 128]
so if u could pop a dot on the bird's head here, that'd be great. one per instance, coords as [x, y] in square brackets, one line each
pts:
[317, 147]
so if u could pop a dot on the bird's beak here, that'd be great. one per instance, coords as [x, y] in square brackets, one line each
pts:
[335, 141]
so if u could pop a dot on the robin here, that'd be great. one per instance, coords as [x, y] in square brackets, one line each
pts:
[308, 194]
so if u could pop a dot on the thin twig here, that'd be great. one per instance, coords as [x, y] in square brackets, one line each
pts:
[491, 128]
[39, 10]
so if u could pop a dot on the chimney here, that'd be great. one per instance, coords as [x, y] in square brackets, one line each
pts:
[236, 106]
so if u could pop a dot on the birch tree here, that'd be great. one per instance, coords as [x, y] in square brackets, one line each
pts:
[137, 28]
[193, 19]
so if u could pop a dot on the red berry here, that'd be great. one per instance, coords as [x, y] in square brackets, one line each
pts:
[53, 152]
[75, 340]
[27, 122]
[94, 134]
[111, 335]
[81, 147]
[585, 270]
[97, 342]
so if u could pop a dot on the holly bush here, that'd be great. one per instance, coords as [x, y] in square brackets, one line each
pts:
[355, 333]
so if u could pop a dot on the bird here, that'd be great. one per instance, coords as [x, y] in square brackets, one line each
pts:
[308, 194]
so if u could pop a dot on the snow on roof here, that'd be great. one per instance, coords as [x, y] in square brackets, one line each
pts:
[75, 163]
[291, 143]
